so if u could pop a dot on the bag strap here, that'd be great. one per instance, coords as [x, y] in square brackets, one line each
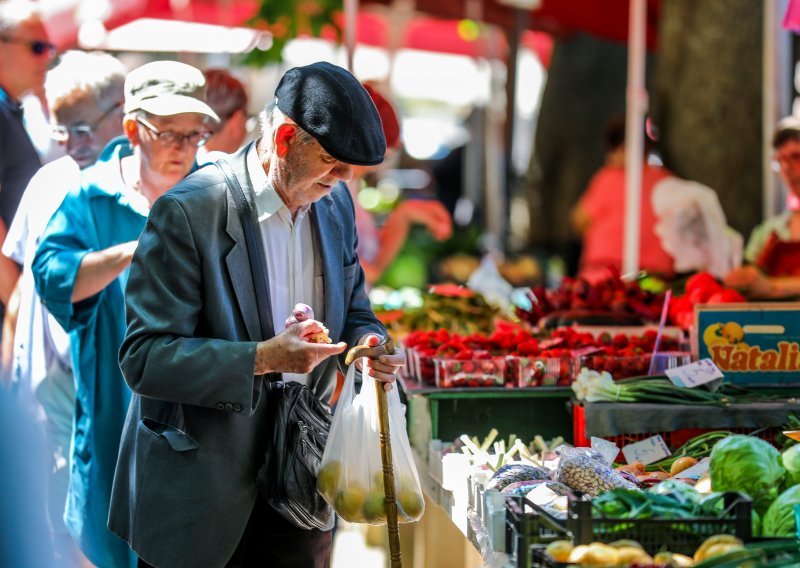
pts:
[258, 268]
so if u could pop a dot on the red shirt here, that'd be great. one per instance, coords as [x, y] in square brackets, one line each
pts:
[604, 203]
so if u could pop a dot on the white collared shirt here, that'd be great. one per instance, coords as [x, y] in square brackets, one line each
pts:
[294, 276]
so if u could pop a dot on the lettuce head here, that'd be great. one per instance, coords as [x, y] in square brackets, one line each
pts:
[747, 464]
[779, 519]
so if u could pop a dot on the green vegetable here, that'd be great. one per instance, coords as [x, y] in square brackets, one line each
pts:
[779, 520]
[747, 464]
[699, 447]
[596, 387]
[791, 461]
[668, 500]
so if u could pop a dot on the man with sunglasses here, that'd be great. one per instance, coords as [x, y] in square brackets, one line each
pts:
[25, 53]
[81, 269]
[84, 93]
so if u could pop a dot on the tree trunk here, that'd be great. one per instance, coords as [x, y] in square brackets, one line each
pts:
[707, 100]
[585, 87]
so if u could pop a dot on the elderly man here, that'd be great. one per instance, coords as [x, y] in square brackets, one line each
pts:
[196, 355]
[81, 267]
[25, 53]
[84, 93]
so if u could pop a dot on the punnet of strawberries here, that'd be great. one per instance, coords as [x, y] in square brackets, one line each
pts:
[514, 357]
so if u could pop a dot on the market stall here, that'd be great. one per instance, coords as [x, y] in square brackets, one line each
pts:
[587, 429]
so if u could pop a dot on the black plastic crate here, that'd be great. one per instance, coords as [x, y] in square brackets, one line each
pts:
[526, 527]
[676, 535]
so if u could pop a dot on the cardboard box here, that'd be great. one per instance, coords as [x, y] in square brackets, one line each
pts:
[754, 343]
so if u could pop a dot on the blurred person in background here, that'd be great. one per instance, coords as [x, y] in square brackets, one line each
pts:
[773, 250]
[25, 54]
[599, 216]
[226, 95]
[81, 270]
[378, 247]
[23, 523]
[85, 96]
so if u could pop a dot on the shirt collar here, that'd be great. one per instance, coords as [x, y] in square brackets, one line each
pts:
[268, 202]
[8, 102]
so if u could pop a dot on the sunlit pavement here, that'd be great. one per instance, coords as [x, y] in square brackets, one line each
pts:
[350, 548]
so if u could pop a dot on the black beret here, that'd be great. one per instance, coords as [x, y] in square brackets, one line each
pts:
[332, 106]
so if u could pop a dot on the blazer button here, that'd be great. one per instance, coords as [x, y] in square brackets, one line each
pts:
[220, 406]
[237, 407]
[228, 406]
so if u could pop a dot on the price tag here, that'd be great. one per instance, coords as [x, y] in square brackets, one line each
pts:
[697, 470]
[647, 451]
[607, 449]
[694, 374]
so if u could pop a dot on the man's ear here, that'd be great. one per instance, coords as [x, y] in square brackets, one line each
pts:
[283, 135]
[131, 130]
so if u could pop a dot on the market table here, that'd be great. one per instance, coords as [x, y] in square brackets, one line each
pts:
[445, 414]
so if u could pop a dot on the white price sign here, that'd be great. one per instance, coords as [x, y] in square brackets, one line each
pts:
[694, 374]
[647, 451]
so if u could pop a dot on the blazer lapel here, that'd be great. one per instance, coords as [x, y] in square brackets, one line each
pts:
[238, 261]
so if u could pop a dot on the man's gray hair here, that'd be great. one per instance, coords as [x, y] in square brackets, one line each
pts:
[80, 74]
[14, 12]
[271, 118]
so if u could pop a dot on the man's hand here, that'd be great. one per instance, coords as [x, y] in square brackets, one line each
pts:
[290, 351]
[385, 367]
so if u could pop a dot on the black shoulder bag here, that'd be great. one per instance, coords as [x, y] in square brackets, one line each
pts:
[300, 421]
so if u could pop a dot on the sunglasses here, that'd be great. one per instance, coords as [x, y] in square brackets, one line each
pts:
[37, 46]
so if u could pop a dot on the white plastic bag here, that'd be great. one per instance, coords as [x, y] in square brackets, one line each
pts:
[351, 474]
[693, 228]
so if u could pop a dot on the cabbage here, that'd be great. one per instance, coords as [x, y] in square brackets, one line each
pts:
[779, 520]
[747, 464]
[791, 461]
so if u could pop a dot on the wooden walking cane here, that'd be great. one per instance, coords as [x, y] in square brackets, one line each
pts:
[384, 348]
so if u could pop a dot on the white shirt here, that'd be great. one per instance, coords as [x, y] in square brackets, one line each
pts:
[294, 276]
[41, 346]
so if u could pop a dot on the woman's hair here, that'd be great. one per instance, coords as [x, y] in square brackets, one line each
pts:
[614, 137]
[225, 94]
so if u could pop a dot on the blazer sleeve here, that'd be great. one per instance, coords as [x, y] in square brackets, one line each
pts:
[68, 237]
[360, 319]
[160, 356]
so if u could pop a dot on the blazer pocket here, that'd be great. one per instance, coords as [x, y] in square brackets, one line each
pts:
[179, 440]
[349, 271]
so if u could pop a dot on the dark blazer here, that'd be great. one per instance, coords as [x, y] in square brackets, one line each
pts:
[194, 437]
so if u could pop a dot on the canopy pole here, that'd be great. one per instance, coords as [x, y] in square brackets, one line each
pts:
[634, 136]
[350, 31]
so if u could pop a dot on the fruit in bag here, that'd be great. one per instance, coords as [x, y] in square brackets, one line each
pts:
[328, 479]
[375, 507]
[411, 502]
[348, 502]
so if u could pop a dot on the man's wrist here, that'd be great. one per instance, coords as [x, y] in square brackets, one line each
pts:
[262, 360]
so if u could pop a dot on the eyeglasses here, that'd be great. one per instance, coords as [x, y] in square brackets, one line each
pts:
[196, 138]
[37, 46]
[82, 132]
